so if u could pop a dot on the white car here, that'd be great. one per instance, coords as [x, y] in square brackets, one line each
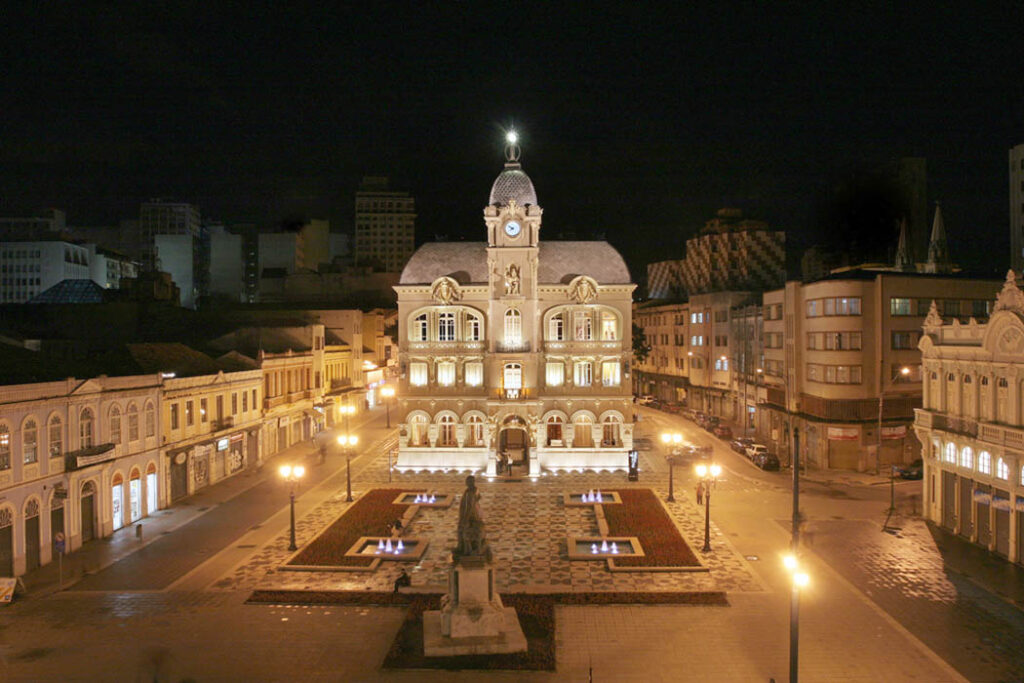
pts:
[646, 400]
[756, 449]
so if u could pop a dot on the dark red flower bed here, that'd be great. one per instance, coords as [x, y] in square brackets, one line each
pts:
[368, 516]
[536, 615]
[642, 515]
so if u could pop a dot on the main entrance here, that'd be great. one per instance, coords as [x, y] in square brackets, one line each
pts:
[513, 442]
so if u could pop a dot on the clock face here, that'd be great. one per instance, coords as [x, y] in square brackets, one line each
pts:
[512, 228]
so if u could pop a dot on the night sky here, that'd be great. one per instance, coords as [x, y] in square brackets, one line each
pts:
[636, 121]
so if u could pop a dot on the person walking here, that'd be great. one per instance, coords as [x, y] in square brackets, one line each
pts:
[700, 493]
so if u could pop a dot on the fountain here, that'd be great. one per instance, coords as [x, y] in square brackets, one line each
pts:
[399, 548]
[615, 548]
[387, 546]
[380, 546]
[604, 546]
[433, 499]
[599, 495]
[593, 548]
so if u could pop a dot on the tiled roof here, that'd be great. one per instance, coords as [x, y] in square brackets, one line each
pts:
[558, 262]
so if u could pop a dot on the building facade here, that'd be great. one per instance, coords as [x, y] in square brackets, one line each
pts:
[514, 347]
[78, 460]
[385, 225]
[30, 268]
[972, 425]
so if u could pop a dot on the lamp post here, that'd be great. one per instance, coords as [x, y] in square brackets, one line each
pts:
[347, 410]
[800, 580]
[348, 442]
[292, 475]
[904, 371]
[708, 473]
[388, 393]
[675, 439]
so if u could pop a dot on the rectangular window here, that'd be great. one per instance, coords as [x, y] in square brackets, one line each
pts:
[245, 399]
[951, 307]
[446, 373]
[254, 400]
[813, 310]
[418, 374]
[554, 374]
[611, 373]
[555, 328]
[203, 417]
[190, 417]
[583, 324]
[419, 328]
[583, 374]
[474, 374]
[174, 416]
[446, 327]
[829, 307]
[609, 327]
[904, 340]
[472, 328]
[980, 308]
[899, 306]
[234, 400]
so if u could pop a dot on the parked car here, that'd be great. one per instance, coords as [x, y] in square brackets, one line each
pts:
[673, 408]
[722, 431]
[914, 470]
[645, 400]
[711, 423]
[741, 444]
[767, 461]
[756, 449]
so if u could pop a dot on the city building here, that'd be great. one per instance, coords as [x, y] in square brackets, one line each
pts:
[48, 225]
[78, 459]
[108, 267]
[30, 268]
[385, 225]
[227, 265]
[171, 240]
[971, 423]
[835, 351]
[514, 347]
[1017, 207]
[664, 373]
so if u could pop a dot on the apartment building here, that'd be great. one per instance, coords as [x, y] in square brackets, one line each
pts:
[385, 225]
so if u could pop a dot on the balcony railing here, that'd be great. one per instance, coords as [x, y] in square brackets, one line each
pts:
[223, 423]
[512, 347]
[513, 394]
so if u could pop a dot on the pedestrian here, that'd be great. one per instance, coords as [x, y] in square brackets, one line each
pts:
[700, 493]
[403, 580]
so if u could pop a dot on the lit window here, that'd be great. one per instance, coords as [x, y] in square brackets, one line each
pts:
[418, 430]
[419, 328]
[610, 431]
[949, 454]
[1002, 469]
[555, 374]
[446, 434]
[474, 374]
[513, 327]
[472, 328]
[554, 426]
[85, 429]
[984, 461]
[55, 437]
[446, 373]
[446, 327]
[609, 326]
[611, 375]
[30, 443]
[556, 329]
[418, 374]
[967, 457]
[513, 376]
[583, 373]
[583, 326]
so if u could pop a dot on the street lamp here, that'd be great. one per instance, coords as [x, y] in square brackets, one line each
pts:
[292, 475]
[347, 443]
[347, 410]
[387, 392]
[675, 439]
[904, 372]
[707, 473]
[800, 580]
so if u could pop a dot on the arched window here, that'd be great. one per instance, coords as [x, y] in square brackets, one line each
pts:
[30, 442]
[967, 457]
[555, 425]
[985, 407]
[967, 407]
[985, 462]
[949, 455]
[150, 420]
[475, 430]
[583, 433]
[1002, 469]
[1003, 400]
[133, 422]
[513, 327]
[556, 327]
[5, 447]
[446, 434]
[115, 424]
[418, 430]
[55, 436]
[85, 428]
[473, 327]
[610, 431]
[583, 326]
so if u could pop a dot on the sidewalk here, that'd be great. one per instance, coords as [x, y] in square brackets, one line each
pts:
[177, 520]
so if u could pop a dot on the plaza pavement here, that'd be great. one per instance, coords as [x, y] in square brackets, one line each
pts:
[197, 625]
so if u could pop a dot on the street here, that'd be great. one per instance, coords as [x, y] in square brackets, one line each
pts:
[880, 606]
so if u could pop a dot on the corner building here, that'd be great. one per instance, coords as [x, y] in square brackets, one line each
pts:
[514, 347]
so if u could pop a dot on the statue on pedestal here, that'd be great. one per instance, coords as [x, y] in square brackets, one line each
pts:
[471, 525]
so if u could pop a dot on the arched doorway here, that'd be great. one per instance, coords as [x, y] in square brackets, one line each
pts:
[88, 509]
[117, 502]
[514, 441]
[32, 560]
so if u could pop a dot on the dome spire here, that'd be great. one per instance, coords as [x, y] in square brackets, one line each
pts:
[512, 150]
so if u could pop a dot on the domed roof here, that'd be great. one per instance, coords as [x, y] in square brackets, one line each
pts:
[513, 183]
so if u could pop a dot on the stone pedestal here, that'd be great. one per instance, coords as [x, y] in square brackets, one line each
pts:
[472, 618]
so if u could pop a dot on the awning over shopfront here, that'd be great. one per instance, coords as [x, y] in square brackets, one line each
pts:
[92, 455]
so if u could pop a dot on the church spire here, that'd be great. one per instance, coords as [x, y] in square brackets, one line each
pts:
[938, 250]
[904, 259]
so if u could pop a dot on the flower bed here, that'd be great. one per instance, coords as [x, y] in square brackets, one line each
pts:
[642, 515]
[368, 516]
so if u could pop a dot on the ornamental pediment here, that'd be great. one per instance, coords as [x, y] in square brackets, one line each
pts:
[445, 290]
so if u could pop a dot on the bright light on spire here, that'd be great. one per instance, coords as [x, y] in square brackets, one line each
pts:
[512, 137]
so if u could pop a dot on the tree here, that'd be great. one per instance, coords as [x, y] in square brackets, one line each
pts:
[641, 349]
